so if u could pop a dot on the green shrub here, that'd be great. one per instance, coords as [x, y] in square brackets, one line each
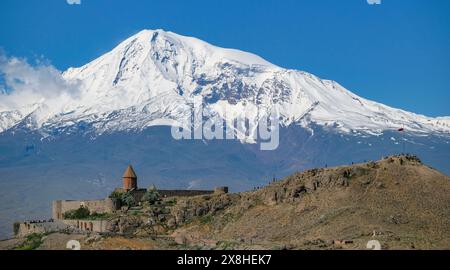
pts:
[33, 242]
[206, 219]
[128, 199]
[171, 202]
[80, 213]
[135, 213]
[115, 195]
[99, 216]
[151, 196]
[84, 214]
[227, 245]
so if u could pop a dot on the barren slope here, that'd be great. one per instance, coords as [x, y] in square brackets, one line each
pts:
[405, 203]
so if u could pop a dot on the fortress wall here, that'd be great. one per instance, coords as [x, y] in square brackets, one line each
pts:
[57, 210]
[98, 206]
[98, 226]
[29, 227]
[138, 194]
[108, 206]
[183, 193]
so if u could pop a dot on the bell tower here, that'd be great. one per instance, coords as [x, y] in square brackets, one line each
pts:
[129, 179]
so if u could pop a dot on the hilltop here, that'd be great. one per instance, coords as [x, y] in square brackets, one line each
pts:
[398, 201]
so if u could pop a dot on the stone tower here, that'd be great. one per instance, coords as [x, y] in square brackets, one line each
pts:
[129, 179]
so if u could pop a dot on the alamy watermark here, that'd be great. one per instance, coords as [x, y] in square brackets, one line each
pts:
[73, 245]
[373, 245]
[374, 2]
[254, 126]
[73, 2]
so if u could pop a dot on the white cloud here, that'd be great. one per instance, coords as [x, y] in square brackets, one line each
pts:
[24, 84]
[74, 2]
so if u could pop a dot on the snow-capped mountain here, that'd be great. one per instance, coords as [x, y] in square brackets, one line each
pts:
[153, 77]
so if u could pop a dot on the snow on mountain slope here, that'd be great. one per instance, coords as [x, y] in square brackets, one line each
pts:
[153, 77]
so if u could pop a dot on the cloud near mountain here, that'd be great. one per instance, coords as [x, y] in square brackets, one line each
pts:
[24, 87]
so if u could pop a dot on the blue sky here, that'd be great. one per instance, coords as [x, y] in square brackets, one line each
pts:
[397, 53]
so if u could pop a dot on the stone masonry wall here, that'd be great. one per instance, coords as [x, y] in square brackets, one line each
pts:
[183, 193]
[98, 206]
[98, 226]
[29, 227]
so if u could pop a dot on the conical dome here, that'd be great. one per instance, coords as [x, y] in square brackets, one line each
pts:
[129, 173]
[129, 179]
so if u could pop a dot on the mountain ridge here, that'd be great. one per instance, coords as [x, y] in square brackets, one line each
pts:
[156, 75]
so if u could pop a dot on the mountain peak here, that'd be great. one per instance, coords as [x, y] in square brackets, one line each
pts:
[197, 47]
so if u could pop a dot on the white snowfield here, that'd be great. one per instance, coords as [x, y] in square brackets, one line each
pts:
[153, 77]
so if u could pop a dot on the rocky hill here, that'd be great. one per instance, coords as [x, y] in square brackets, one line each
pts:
[398, 201]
